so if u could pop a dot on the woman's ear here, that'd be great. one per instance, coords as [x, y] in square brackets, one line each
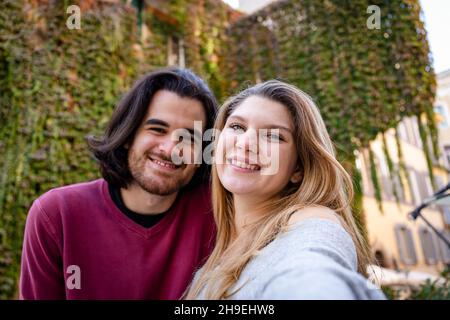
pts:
[297, 176]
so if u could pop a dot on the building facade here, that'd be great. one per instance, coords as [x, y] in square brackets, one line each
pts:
[398, 242]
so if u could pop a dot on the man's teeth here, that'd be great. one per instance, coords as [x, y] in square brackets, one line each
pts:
[244, 165]
[164, 164]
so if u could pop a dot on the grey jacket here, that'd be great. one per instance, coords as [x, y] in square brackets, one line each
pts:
[314, 259]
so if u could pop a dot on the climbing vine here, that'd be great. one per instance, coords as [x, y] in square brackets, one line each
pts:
[375, 179]
[393, 172]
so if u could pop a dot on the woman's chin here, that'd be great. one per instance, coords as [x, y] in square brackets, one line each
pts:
[240, 189]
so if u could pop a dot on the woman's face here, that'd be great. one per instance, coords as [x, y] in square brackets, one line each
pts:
[256, 153]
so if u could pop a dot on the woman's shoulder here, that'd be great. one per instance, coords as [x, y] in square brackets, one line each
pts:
[319, 232]
[315, 212]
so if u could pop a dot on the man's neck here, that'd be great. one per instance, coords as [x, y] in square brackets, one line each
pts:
[140, 201]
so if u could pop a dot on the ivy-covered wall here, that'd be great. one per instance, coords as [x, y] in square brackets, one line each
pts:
[57, 85]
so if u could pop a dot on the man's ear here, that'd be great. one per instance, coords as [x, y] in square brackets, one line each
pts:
[297, 176]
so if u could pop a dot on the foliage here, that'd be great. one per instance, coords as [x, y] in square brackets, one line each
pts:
[433, 290]
[438, 289]
[61, 85]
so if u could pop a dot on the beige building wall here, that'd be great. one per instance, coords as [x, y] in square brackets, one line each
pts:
[442, 109]
[382, 226]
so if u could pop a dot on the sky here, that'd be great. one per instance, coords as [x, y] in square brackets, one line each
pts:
[437, 23]
[233, 3]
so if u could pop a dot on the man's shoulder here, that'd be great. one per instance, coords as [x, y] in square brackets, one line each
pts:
[73, 193]
[57, 204]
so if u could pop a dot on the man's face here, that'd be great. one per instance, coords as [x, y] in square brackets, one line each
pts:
[150, 154]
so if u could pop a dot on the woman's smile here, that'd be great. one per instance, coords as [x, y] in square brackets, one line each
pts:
[243, 166]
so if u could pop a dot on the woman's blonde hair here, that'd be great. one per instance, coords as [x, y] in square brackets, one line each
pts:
[324, 183]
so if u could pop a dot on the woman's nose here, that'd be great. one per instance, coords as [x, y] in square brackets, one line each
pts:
[248, 141]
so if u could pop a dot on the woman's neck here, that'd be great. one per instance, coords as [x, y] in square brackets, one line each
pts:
[247, 209]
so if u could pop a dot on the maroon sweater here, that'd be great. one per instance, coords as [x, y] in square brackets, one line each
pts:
[79, 245]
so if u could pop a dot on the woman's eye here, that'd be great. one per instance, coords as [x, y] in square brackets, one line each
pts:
[274, 137]
[236, 127]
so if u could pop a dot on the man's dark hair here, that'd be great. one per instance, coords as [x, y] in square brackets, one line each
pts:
[110, 151]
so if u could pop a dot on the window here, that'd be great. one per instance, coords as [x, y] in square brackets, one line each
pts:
[443, 248]
[415, 129]
[405, 245]
[410, 130]
[424, 184]
[439, 182]
[446, 215]
[428, 246]
[415, 192]
[447, 154]
[175, 52]
[441, 116]
[402, 131]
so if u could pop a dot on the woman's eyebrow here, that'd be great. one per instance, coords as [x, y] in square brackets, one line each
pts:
[269, 126]
[237, 118]
[275, 126]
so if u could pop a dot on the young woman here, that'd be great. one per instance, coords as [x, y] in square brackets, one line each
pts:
[288, 233]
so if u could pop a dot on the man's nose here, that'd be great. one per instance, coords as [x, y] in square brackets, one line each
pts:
[167, 144]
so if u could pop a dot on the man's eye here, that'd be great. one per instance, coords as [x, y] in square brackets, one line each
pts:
[158, 130]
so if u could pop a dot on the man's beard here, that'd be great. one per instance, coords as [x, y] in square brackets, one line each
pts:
[158, 183]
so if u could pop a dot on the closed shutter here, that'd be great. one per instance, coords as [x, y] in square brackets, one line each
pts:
[428, 246]
[405, 245]
[443, 248]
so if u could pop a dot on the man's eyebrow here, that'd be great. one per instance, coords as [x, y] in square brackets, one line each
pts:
[157, 122]
[270, 126]
[165, 124]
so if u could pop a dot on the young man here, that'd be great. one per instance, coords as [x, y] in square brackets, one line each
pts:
[142, 230]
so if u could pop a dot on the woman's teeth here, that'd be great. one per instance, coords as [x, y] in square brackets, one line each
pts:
[244, 165]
